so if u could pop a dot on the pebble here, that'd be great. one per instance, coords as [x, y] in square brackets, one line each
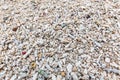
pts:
[107, 60]
[43, 73]
[74, 69]
[33, 65]
[23, 52]
[63, 74]
[15, 28]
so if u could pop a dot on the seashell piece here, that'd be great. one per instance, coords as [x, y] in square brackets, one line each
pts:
[27, 54]
[13, 77]
[53, 77]
[69, 68]
[35, 76]
[74, 76]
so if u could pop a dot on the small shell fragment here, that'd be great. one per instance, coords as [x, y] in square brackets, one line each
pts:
[59, 77]
[64, 41]
[35, 76]
[1, 66]
[27, 54]
[32, 57]
[74, 76]
[107, 60]
[50, 54]
[5, 7]
[116, 71]
[2, 74]
[13, 77]
[39, 55]
[53, 77]
[36, 53]
[80, 51]
[21, 76]
[98, 44]
[69, 68]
